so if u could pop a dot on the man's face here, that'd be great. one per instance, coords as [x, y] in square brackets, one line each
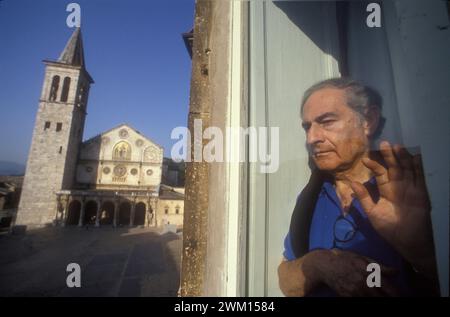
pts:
[336, 135]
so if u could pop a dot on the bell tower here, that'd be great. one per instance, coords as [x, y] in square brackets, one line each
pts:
[57, 134]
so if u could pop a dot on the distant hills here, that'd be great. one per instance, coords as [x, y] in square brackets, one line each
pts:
[11, 168]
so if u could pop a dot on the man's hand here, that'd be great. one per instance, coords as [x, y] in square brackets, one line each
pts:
[346, 273]
[299, 277]
[402, 214]
[342, 271]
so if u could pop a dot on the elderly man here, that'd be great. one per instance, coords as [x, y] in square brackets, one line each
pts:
[359, 207]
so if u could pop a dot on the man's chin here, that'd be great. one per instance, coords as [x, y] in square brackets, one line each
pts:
[325, 165]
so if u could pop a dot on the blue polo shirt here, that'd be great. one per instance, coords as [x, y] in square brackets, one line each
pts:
[364, 240]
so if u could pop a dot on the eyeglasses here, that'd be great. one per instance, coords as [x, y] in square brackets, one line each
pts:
[344, 230]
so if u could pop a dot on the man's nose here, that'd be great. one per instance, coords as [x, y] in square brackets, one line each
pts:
[314, 135]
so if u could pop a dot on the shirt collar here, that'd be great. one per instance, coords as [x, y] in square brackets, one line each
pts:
[328, 188]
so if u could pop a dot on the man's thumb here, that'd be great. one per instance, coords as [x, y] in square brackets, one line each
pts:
[363, 196]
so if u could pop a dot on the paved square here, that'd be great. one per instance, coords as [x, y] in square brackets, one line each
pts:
[114, 262]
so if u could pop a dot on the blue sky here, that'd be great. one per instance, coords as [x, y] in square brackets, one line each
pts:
[133, 50]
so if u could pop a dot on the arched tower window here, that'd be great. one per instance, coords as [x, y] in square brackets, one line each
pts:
[122, 151]
[80, 96]
[65, 90]
[54, 88]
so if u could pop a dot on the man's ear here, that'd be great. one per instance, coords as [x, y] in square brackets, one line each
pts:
[372, 120]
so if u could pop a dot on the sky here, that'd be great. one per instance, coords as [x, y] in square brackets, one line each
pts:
[133, 50]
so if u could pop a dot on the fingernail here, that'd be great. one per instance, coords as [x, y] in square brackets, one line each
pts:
[384, 143]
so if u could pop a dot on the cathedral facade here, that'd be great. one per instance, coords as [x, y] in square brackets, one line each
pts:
[111, 179]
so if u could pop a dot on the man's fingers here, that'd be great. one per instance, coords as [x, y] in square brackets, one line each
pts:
[380, 172]
[394, 168]
[363, 196]
[406, 162]
[388, 154]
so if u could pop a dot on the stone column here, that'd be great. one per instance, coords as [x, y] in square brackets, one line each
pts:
[116, 212]
[149, 216]
[97, 217]
[66, 202]
[83, 204]
[57, 216]
[132, 212]
[147, 211]
[152, 205]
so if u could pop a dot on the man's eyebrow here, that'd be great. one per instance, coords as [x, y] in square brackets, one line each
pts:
[326, 115]
[322, 117]
[306, 124]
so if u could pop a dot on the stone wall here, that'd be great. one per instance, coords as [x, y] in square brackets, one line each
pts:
[171, 217]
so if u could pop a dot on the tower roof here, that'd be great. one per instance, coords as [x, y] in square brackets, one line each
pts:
[73, 53]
